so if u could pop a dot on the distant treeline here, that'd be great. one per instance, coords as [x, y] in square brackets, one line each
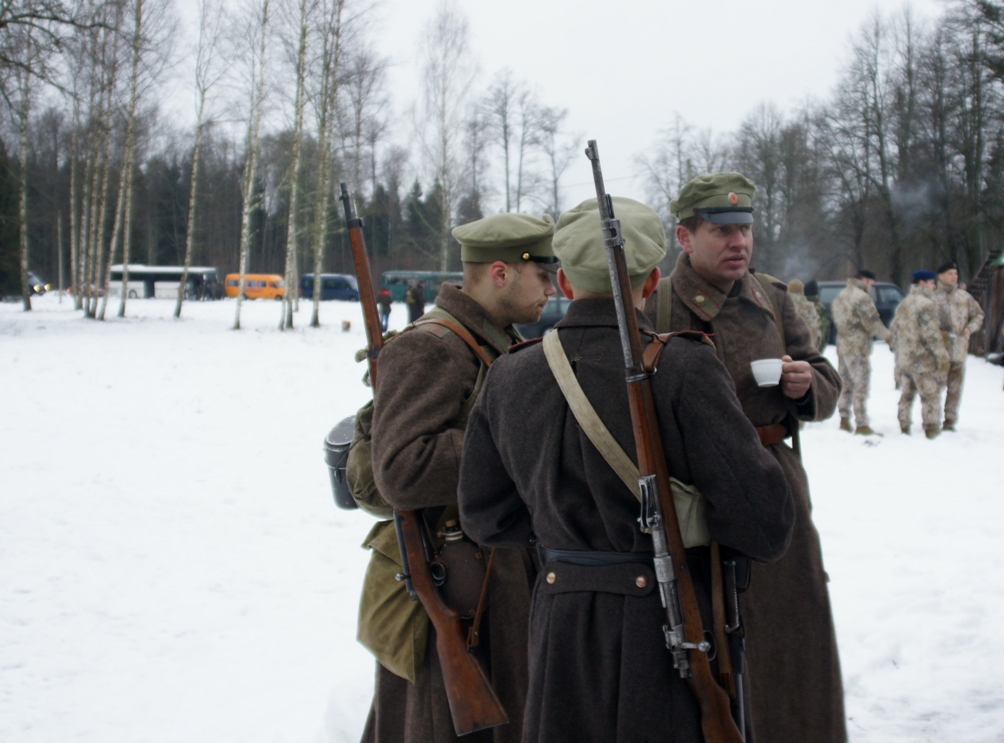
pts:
[902, 167]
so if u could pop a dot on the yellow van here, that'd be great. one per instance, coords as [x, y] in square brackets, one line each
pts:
[256, 285]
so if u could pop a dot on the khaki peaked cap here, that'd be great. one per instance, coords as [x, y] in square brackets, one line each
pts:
[578, 242]
[507, 237]
[722, 198]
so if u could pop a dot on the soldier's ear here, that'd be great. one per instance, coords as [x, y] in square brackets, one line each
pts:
[564, 285]
[683, 237]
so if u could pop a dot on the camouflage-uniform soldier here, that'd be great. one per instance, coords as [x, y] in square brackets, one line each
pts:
[960, 316]
[807, 311]
[825, 322]
[921, 357]
[857, 320]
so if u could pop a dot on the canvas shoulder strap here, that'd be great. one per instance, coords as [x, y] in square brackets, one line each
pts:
[691, 506]
[586, 415]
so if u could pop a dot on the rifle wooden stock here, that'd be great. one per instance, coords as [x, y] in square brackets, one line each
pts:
[473, 704]
[716, 715]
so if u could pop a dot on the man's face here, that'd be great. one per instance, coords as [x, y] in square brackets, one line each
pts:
[869, 283]
[720, 253]
[927, 283]
[525, 293]
[949, 277]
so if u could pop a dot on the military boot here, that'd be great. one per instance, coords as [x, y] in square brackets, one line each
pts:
[865, 431]
[904, 428]
[946, 426]
[931, 432]
[845, 425]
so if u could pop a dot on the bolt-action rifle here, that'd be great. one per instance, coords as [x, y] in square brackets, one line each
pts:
[473, 704]
[683, 629]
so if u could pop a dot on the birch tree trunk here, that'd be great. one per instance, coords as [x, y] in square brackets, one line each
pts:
[22, 209]
[251, 161]
[331, 59]
[74, 216]
[125, 181]
[286, 321]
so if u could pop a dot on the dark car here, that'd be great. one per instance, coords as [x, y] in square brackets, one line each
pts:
[36, 284]
[554, 310]
[886, 296]
[333, 286]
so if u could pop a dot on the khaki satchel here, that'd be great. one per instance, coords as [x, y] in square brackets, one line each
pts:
[691, 506]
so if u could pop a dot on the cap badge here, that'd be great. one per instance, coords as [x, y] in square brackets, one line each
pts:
[526, 256]
[733, 199]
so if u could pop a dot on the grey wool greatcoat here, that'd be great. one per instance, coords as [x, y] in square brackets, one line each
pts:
[424, 379]
[791, 647]
[599, 667]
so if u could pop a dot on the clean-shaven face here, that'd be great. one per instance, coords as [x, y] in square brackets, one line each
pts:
[720, 253]
[949, 277]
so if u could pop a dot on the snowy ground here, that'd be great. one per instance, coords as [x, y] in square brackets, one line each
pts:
[173, 568]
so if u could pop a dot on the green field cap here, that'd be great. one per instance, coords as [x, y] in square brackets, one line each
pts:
[722, 198]
[508, 237]
[578, 242]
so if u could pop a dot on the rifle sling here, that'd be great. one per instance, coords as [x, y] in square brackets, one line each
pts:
[473, 636]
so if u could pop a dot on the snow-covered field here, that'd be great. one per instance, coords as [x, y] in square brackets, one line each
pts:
[173, 568]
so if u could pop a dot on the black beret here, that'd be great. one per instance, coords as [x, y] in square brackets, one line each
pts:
[948, 266]
[812, 288]
[864, 273]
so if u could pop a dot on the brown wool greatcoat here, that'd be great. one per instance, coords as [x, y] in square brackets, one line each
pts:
[791, 647]
[599, 667]
[424, 379]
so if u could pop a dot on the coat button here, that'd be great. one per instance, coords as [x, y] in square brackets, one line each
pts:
[699, 298]
[640, 581]
[551, 577]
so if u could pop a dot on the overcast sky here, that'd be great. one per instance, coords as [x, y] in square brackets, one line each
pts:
[623, 68]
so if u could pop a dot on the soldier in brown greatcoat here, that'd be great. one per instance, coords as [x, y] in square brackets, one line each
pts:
[599, 667]
[426, 377]
[792, 648]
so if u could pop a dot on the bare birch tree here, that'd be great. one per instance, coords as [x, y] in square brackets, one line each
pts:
[559, 149]
[24, 77]
[208, 72]
[305, 8]
[499, 107]
[332, 28]
[257, 37]
[448, 75]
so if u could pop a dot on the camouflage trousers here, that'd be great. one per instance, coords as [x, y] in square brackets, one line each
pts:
[929, 385]
[855, 373]
[956, 373]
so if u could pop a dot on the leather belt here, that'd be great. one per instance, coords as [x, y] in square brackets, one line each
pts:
[590, 558]
[775, 433]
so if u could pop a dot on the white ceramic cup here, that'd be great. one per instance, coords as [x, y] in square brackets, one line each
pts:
[767, 372]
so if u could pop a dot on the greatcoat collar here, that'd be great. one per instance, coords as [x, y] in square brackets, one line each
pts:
[706, 300]
[476, 318]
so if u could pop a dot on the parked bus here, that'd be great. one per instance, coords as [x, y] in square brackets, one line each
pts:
[146, 282]
[256, 285]
[333, 286]
[397, 282]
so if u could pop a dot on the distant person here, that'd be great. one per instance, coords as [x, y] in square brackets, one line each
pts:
[825, 322]
[415, 299]
[806, 310]
[857, 320]
[960, 316]
[921, 357]
[383, 302]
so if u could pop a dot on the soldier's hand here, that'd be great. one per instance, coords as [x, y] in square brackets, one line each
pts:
[796, 377]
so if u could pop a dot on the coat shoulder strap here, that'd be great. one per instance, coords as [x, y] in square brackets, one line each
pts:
[767, 282]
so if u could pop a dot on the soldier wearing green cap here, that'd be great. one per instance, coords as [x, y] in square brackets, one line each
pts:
[599, 668]
[791, 643]
[429, 378]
